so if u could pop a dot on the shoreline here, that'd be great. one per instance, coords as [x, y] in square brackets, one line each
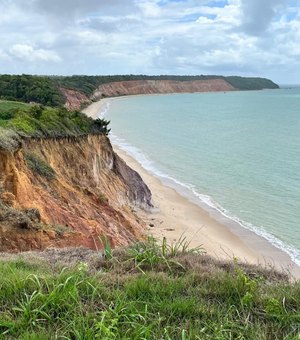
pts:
[175, 216]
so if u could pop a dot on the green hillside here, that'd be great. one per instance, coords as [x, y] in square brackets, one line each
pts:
[18, 119]
[243, 83]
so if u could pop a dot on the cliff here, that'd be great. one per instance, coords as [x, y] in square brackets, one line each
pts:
[160, 86]
[74, 99]
[68, 192]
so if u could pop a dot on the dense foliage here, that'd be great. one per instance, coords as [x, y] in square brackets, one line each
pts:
[29, 120]
[243, 83]
[147, 291]
[27, 88]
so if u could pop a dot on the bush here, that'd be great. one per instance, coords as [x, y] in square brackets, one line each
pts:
[39, 166]
[102, 125]
[43, 122]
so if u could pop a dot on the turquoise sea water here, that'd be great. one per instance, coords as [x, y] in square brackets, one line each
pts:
[238, 152]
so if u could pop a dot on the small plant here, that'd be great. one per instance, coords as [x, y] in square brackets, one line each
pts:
[106, 247]
[39, 166]
[274, 308]
[146, 253]
[31, 310]
[83, 267]
[102, 198]
[182, 246]
[246, 288]
[150, 254]
[61, 229]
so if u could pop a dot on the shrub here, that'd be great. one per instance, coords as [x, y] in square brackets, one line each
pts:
[102, 125]
[39, 166]
[43, 122]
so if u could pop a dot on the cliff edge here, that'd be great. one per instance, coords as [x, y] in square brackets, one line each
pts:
[71, 191]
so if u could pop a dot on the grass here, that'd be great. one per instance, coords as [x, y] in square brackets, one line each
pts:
[8, 107]
[110, 298]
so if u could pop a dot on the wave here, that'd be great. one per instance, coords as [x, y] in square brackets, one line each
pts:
[104, 109]
[204, 200]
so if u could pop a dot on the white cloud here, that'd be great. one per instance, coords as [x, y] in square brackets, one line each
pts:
[150, 9]
[258, 14]
[2, 54]
[28, 53]
[246, 37]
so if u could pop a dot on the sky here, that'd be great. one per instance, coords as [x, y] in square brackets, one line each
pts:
[95, 37]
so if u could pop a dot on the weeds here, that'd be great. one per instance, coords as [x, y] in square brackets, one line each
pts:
[106, 247]
[155, 302]
[182, 246]
[150, 253]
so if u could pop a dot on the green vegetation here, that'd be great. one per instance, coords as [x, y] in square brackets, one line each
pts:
[46, 89]
[9, 139]
[88, 84]
[243, 83]
[39, 166]
[27, 120]
[124, 296]
[27, 88]
[7, 108]
[20, 218]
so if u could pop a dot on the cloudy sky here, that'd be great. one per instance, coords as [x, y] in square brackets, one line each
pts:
[232, 37]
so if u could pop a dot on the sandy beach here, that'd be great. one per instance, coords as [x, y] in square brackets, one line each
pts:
[176, 216]
[96, 107]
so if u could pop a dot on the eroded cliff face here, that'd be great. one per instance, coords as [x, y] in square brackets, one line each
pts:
[74, 99]
[92, 194]
[161, 86]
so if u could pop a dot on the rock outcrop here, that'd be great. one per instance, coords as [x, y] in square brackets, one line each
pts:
[91, 194]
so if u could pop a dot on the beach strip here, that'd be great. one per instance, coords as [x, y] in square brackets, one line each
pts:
[175, 216]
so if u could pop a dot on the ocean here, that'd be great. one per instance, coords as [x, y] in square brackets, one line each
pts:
[237, 153]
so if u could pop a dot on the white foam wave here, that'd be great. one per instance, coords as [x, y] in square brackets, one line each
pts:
[104, 109]
[260, 231]
[208, 201]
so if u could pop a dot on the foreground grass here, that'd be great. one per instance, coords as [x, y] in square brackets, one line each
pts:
[145, 292]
